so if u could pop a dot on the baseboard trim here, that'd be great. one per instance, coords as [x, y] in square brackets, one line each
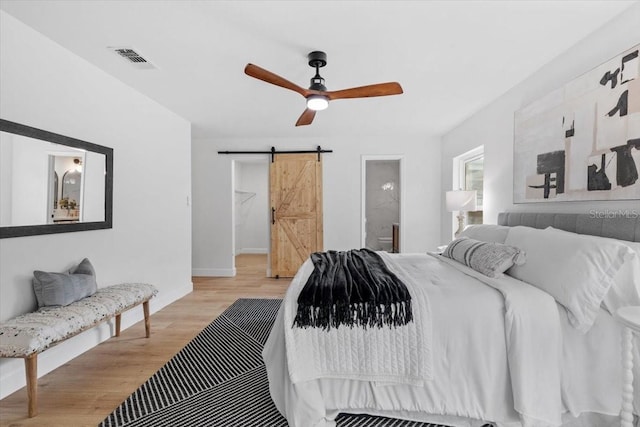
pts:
[253, 251]
[163, 299]
[213, 272]
[12, 375]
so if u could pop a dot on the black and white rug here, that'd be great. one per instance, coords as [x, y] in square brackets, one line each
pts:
[219, 379]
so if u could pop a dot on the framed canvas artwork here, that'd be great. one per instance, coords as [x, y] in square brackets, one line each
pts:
[582, 141]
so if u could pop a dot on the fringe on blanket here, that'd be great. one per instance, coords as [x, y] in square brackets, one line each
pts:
[352, 288]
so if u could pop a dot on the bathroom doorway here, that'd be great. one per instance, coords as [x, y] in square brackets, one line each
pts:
[382, 200]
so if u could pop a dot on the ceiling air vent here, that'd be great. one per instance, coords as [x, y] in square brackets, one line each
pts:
[132, 57]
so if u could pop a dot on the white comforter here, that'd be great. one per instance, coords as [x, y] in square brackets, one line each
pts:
[503, 353]
[388, 355]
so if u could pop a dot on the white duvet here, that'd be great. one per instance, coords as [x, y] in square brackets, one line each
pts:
[498, 350]
[386, 355]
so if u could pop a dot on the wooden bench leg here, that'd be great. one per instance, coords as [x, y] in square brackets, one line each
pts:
[31, 369]
[118, 325]
[147, 319]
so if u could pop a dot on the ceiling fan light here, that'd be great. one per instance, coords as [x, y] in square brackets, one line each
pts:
[317, 102]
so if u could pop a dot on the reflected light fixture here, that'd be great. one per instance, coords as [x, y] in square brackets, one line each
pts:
[387, 186]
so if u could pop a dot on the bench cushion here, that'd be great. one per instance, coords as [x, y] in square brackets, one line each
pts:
[34, 332]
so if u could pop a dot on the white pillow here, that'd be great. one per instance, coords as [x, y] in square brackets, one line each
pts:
[625, 290]
[486, 232]
[577, 270]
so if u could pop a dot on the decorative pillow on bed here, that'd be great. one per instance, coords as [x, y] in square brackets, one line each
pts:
[490, 259]
[60, 289]
[577, 270]
[486, 232]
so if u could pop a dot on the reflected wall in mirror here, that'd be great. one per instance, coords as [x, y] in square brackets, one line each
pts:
[50, 183]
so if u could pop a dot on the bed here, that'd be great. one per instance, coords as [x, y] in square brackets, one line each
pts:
[537, 346]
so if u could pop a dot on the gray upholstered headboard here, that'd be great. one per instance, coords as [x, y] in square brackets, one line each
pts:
[623, 227]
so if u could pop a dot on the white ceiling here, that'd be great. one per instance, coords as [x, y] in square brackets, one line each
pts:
[451, 57]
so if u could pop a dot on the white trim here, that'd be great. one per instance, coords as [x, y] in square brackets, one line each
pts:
[12, 375]
[458, 161]
[83, 187]
[51, 188]
[213, 272]
[233, 214]
[165, 298]
[253, 251]
[363, 188]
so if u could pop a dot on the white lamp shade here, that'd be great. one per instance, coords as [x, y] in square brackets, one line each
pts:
[461, 200]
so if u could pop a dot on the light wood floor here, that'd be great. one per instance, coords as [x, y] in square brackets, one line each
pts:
[88, 388]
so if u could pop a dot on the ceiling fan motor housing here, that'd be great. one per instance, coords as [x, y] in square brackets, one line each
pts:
[317, 60]
[317, 83]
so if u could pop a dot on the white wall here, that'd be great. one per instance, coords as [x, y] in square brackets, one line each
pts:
[93, 187]
[493, 125]
[29, 180]
[212, 211]
[48, 87]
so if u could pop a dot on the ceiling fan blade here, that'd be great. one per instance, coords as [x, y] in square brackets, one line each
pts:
[380, 89]
[274, 79]
[306, 118]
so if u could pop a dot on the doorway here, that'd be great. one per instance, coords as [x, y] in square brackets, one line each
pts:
[66, 188]
[277, 206]
[382, 203]
[250, 214]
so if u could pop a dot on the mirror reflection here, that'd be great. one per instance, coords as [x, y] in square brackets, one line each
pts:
[50, 183]
[66, 206]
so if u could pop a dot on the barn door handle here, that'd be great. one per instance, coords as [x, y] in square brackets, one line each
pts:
[273, 215]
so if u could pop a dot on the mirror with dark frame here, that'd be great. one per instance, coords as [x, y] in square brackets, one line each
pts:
[51, 183]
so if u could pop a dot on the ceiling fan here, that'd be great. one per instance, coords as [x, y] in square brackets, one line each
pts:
[317, 95]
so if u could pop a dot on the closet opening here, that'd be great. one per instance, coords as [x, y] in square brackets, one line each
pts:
[251, 219]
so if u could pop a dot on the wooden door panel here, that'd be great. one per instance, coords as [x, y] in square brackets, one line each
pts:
[296, 199]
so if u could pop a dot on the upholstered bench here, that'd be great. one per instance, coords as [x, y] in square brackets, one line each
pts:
[28, 335]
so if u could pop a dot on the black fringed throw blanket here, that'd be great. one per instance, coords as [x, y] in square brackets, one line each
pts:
[352, 288]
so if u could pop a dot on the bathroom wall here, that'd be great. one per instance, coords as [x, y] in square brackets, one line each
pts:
[382, 201]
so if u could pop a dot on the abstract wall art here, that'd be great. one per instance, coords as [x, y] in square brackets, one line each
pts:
[582, 141]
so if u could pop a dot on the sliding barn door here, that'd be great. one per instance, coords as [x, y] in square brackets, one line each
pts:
[296, 211]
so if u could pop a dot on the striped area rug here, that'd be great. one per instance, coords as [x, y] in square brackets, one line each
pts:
[219, 379]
